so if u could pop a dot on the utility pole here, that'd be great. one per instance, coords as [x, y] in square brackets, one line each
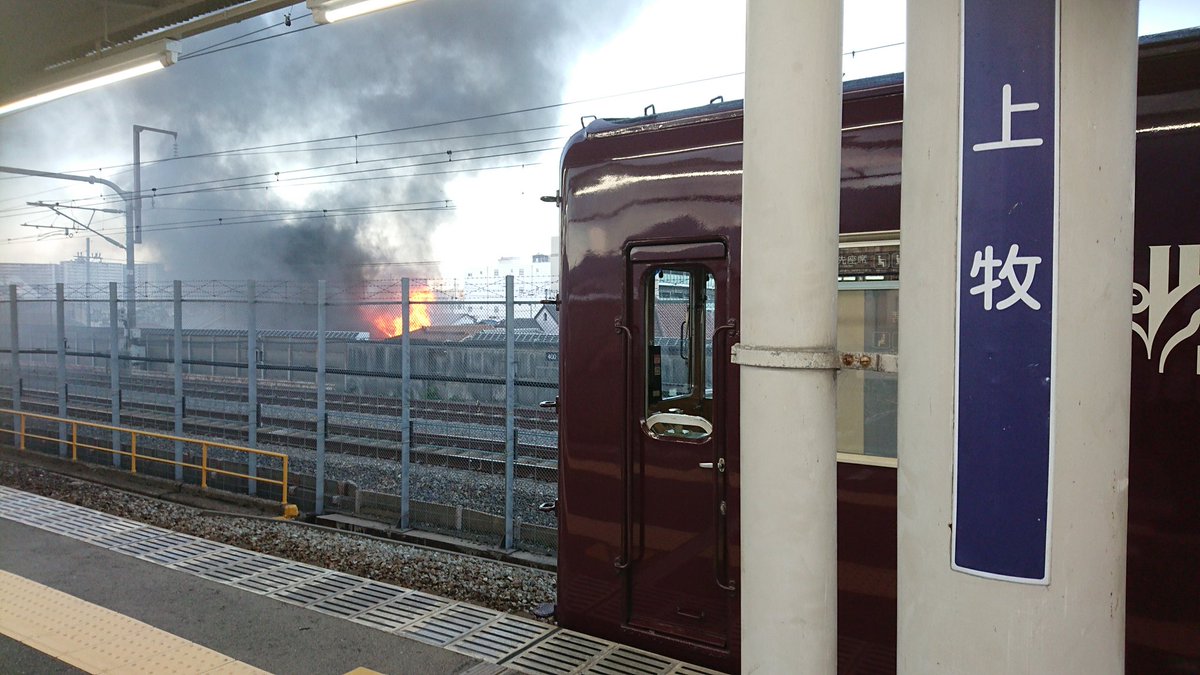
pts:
[137, 178]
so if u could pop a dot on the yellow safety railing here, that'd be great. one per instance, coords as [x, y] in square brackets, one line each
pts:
[21, 433]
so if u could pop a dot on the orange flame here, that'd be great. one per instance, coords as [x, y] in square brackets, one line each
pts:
[389, 323]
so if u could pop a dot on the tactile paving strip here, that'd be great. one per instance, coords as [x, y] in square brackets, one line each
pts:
[99, 640]
[516, 643]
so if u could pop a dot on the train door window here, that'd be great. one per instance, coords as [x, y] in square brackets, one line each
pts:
[681, 303]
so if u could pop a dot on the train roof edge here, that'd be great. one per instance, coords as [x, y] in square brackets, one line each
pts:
[1187, 39]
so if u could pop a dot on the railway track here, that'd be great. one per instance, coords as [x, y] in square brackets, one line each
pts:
[457, 435]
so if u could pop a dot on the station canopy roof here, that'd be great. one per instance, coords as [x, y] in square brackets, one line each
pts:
[42, 38]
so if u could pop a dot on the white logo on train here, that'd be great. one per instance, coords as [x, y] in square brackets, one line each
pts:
[1158, 299]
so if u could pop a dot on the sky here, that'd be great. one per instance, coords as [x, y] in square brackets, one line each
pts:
[412, 142]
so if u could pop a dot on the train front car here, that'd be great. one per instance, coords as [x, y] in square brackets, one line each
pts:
[649, 456]
[648, 501]
[648, 437]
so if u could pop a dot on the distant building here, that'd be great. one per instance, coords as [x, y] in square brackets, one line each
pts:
[82, 277]
[535, 278]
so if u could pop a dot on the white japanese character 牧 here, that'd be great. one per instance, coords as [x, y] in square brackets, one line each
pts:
[986, 263]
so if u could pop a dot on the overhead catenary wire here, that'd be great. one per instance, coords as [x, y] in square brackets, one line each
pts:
[291, 216]
[331, 179]
[282, 176]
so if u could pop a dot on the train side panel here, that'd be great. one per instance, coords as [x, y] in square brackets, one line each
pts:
[674, 180]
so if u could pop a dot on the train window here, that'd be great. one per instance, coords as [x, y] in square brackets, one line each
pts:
[680, 305]
[868, 321]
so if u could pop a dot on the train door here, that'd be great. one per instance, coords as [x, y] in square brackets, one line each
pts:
[678, 572]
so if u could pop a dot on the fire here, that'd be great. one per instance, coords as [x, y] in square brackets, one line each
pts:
[388, 322]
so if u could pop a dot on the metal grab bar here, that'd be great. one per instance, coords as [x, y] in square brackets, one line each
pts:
[721, 553]
[23, 434]
[627, 464]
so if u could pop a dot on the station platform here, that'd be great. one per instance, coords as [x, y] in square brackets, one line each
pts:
[84, 591]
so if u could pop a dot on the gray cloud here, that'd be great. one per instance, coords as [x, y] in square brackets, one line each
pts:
[420, 64]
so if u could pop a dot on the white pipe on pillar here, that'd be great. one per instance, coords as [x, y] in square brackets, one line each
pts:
[789, 297]
[951, 622]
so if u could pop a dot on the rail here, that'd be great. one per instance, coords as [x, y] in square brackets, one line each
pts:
[21, 434]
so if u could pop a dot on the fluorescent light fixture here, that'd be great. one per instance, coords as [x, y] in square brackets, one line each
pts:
[328, 11]
[98, 71]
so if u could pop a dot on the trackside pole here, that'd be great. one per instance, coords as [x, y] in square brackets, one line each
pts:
[114, 368]
[60, 334]
[252, 384]
[977, 593]
[510, 399]
[322, 429]
[15, 359]
[789, 265]
[405, 403]
[177, 367]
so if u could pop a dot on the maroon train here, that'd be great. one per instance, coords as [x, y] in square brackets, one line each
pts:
[649, 491]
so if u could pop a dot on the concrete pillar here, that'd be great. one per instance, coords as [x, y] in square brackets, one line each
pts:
[953, 622]
[789, 261]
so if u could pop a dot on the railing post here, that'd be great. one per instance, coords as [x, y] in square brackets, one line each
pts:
[114, 370]
[22, 432]
[204, 465]
[405, 403]
[321, 422]
[510, 400]
[60, 335]
[132, 452]
[252, 384]
[177, 352]
[74, 441]
[284, 496]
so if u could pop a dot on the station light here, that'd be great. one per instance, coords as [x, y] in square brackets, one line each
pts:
[328, 11]
[98, 71]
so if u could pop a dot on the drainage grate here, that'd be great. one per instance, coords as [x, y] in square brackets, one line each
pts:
[561, 652]
[222, 565]
[450, 624]
[204, 565]
[145, 547]
[251, 566]
[358, 600]
[317, 589]
[402, 611]
[272, 580]
[627, 661]
[500, 639]
[171, 556]
[688, 669]
[127, 537]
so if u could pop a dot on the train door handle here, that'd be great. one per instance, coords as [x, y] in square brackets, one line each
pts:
[720, 465]
[548, 404]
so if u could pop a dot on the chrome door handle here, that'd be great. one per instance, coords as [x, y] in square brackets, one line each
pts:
[720, 465]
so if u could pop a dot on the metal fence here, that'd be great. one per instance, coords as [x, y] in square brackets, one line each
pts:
[413, 400]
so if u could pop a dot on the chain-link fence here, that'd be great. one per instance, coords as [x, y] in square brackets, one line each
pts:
[409, 401]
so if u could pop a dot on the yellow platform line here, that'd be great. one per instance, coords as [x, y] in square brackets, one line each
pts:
[99, 640]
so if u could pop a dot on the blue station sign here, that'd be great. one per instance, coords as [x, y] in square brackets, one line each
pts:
[1006, 290]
